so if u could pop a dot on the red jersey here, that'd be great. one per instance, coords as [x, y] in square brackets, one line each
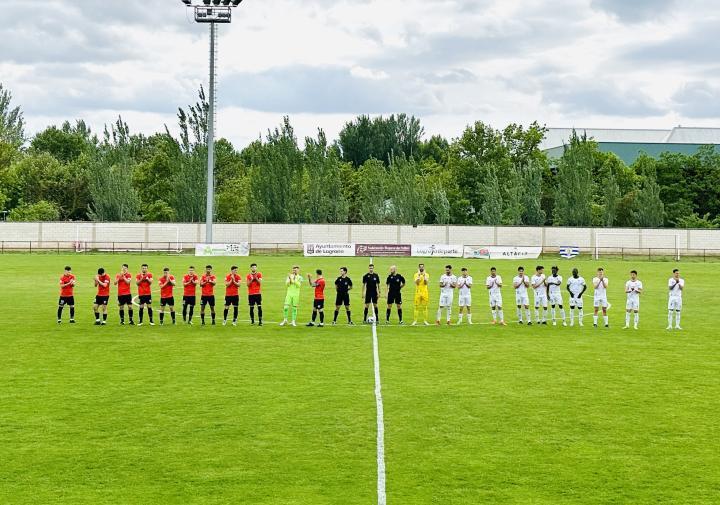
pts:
[103, 290]
[166, 286]
[144, 286]
[207, 288]
[123, 283]
[232, 289]
[190, 289]
[320, 289]
[67, 290]
[253, 283]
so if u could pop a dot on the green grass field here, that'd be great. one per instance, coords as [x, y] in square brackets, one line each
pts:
[211, 415]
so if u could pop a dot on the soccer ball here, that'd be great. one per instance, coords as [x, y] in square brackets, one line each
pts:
[371, 320]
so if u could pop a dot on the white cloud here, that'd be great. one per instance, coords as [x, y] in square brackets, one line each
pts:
[567, 62]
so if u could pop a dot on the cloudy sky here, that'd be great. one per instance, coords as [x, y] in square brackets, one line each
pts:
[583, 63]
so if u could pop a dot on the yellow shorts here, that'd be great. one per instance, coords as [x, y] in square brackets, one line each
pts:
[422, 298]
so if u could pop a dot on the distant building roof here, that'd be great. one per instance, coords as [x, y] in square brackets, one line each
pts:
[557, 137]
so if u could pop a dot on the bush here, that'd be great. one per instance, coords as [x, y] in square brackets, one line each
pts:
[40, 211]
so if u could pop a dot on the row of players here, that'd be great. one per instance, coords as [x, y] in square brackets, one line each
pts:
[547, 293]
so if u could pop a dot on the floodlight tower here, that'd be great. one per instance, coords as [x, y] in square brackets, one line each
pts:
[212, 12]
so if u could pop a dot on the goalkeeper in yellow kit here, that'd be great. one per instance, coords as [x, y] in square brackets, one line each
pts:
[292, 299]
[422, 295]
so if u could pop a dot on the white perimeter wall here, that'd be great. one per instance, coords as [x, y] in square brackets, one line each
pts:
[291, 236]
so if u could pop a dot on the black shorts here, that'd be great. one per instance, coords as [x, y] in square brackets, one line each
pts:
[342, 299]
[124, 299]
[371, 298]
[255, 300]
[189, 300]
[67, 300]
[207, 300]
[394, 298]
[318, 304]
[101, 300]
[145, 299]
[170, 302]
[232, 300]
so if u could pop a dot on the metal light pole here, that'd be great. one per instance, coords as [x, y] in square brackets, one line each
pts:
[213, 12]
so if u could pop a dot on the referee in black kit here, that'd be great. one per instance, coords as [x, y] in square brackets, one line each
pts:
[371, 291]
[343, 285]
[395, 282]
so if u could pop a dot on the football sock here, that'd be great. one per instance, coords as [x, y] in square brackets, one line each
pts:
[212, 316]
[314, 315]
[122, 316]
[387, 314]
[527, 313]
[572, 316]
[191, 310]
[162, 316]
[172, 316]
[519, 314]
[365, 314]
[184, 312]
[460, 317]
[605, 319]
[235, 313]
[627, 318]
[60, 309]
[97, 316]
[336, 316]
[252, 313]
[581, 314]
[377, 313]
[439, 314]
[595, 319]
[259, 313]
[322, 317]
[150, 314]
[469, 318]
[225, 313]
[537, 315]
[637, 318]
[202, 317]
[349, 316]
[399, 315]
[545, 314]
[677, 319]
[130, 314]
[500, 315]
[105, 316]
[294, 313]
[562, 314]
[142, 314]
[72, 312]
[285, 312]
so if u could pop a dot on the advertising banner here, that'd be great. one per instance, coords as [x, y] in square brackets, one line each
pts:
[376, 250]
[241, 249]
[437, 250]
[501, 252]
[313, 249]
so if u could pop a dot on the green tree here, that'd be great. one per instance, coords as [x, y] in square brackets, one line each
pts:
[380, 138]
[12, 122]
[41, 210]
[65, 144]
[405, 192]
[372, 186]
[325, 200]
[649, 210]
[531, 192]
[611, 197]
[573, 197]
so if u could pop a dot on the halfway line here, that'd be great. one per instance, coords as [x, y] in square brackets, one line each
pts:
[380, 421]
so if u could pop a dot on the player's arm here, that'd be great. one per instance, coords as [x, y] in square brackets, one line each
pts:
[567, 286]
[627, 287]
[583, 290]
[212, 280]
[497, 283]
[640, 289]
[138, 280]
[402, 282]
[364, 287]
[350, 285]
[172, 281]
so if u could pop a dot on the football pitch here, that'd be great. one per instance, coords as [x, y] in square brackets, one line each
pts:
[482, 414]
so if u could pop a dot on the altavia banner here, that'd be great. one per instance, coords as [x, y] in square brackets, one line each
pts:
[437, 250]
[313, 249]
[501, 253]
[377, 250]
[241, 249]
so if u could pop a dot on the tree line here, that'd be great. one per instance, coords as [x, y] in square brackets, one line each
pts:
[378, 170]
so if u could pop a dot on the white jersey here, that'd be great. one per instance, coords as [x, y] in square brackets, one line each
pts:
[600, 287]
[632, 289]
[446, 284]
[675, 287]
[554, 282]
[576, 286]
[539, 281]
[464, 284]
[521, 289]
[493, 283]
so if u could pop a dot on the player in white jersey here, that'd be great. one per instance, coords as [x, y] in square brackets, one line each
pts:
[553, 284]
[448, 283]
[464, 285]
[600, 283]
[541, 299]
[633, 288]
[494, 284]
[521, 283]
[576, 287]
[676, 285]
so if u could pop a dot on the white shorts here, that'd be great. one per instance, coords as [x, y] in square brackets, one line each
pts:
[541, 301]
[556, 299]
[600, 301]
[495, 300]
[446, 300]
[632, 304]
[675, 303]
[576, 302]
[522, 299]
[465, 300]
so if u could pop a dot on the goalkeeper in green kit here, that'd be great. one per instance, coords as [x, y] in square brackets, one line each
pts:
[292, 299]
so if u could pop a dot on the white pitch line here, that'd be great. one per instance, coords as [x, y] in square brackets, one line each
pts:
[382, 500]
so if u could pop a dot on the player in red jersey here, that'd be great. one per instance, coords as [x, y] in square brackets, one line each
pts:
[190, 282]
[102, 282]
[167, 285]
[144, 281]
[232, 283]
[123, 281]
[254, 287]
[207, 297]
[319, 301]
[67, 286]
